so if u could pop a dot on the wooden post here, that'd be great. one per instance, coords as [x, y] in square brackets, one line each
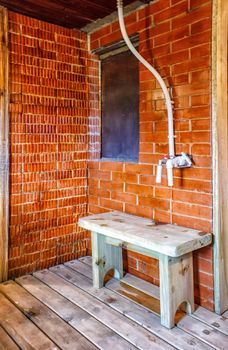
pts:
[220, 153]
[4, 145]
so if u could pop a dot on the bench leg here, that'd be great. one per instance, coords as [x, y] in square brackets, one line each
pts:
[176, 286]
[105, 257]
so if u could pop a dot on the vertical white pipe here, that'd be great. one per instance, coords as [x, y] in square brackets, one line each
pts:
[169, 167]
[154, 72]
[159, 172]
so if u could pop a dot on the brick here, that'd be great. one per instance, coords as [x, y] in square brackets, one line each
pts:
[100, 33]
[111, 204]
[191, 41]
[111, 166]
[172, 36]
[193, 16]
[139, 210]
[192, 210]
[201, 124]
[138, 168]
[203, 50]
[124, 197]
[201, 26]
[112, 186]
[154, 202]
[162, 216]
[191, 65]
[171, 12]
[193, 137]
[124, 177]
[139, 189]
[200, 100]
[194, 223]
[201, 149]
[198, 3]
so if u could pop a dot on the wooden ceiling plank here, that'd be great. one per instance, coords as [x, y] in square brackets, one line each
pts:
[55, 10]
[87, 5]
[56, 5]
[47, 16]
[71, 14]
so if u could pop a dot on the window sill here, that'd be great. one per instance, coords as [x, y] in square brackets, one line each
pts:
[121, 160]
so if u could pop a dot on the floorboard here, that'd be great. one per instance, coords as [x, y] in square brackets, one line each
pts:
[138, 336]
[20, 328]
[46, 320]
[90, 327]
[58, 308]
[144, 317]
[6, 343]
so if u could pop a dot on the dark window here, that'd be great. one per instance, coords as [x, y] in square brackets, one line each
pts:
[120, 107]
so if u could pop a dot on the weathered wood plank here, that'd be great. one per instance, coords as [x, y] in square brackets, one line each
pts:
[23, 331]
[210, 318]
[54, 327]
[4, 144]
[6, 343]
[191, 326]
[132, 332]
[151, 303]
[165, 239]
[188, 324]
[204, 332]
[84, 269]
[100, 335]
[141, 285]
[213, 320]
[141, 315]
[86, 260]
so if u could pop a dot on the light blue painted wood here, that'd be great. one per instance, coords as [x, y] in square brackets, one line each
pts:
[171, 245]
[104, 258]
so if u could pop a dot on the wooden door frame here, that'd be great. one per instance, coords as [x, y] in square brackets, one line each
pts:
[220, 153]
[4, 145]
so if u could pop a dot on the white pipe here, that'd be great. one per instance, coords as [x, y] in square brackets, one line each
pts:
[159, 172]
[169, 167]
[154, 72]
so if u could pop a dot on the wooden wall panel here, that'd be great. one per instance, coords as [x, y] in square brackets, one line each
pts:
[4, 137]
[220, 153]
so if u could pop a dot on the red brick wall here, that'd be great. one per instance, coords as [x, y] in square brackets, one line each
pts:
[53, 93]
[175, 36]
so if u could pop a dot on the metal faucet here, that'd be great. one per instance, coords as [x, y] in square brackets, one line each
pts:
[180, 161]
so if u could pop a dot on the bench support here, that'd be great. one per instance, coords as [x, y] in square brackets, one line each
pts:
[176, 286]
[176, 275]
[172, 245]
[105, 258]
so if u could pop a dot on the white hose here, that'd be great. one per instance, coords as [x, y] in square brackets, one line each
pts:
[154, 72]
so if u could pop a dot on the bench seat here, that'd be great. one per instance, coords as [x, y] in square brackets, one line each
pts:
[172, 245]
[167, 239]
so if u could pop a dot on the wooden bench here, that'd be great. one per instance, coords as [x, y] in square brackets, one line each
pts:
[172, 245]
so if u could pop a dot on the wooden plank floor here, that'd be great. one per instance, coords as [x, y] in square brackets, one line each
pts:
[58, 308]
